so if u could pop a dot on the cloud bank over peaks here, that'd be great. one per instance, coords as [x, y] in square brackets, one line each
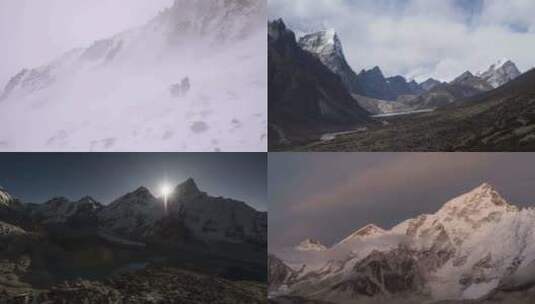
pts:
[420, 39]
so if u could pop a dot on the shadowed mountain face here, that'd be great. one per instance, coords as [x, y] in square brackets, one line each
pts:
[134, 239]
[477, 248]
[305, 97]
[327, 47]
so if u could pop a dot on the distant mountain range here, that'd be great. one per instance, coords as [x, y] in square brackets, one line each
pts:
[191, 215]
[86, 252]
[368, 91]
[478, 248]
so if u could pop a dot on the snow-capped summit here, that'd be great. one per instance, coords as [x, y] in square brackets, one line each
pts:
[325, 44]
[61, 209]
[500, 73]
[132, 213]
[366, 232]
[5, 197]
[476, 204]
[476, 244]
[187, 190]
[310, 245]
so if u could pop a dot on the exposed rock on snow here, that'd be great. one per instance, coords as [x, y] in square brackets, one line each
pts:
[477, 243]
[500, 73]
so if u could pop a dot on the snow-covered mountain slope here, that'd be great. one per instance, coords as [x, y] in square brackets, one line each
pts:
[132, 214]
[476, 244]
[62, 210]
[216, 218]
[310, 245]
[500, 73]
[139, 216]
[191, 79]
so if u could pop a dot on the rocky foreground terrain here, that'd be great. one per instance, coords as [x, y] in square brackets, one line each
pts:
[500, 120]
[152, 285]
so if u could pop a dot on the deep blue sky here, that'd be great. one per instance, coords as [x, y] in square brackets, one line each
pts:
[326, 196]
[37, 177]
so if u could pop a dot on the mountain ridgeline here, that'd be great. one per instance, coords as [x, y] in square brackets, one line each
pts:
[477, 248]
[304, 94]
[317, 102]
[157, 65]
[94, 253]
[140, 216]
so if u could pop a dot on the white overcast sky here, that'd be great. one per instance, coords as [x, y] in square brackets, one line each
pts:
[421, 38]
[34, 32]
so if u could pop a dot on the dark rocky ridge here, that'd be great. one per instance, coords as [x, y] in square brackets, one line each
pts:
[304, 95]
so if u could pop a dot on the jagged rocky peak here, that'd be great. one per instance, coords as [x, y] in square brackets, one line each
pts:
[223, 20]
[277, 30]
[310, 245]
[187, 190]
[141, 195]
[463, 77]
[478, 203]
[500, 73]
[429, 84]
[375, 72]
[325, 43]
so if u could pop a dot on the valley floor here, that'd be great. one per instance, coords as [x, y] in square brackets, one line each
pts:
[496, 125]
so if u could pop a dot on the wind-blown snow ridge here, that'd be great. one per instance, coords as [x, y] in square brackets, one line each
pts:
[120, 93]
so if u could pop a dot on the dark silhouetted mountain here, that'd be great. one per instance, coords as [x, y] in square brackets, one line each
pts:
[327, 47]
[374, 84]
[305, 97]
